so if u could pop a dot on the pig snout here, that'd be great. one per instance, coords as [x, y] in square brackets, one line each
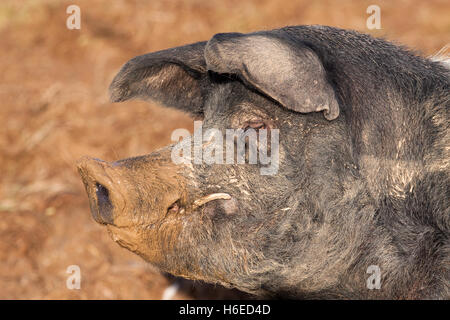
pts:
[100, 181]
[116, 193]
[156, 209]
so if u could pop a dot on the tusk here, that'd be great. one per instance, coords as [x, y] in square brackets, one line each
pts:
[211, 197]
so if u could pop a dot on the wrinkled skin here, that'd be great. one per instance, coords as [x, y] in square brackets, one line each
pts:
[363, 175]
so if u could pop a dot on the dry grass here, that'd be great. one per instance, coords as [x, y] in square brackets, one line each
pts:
[54, 109]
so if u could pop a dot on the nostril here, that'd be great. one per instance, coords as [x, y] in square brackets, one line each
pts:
[105, 206]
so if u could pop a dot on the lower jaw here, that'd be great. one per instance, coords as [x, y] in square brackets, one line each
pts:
[124, 237]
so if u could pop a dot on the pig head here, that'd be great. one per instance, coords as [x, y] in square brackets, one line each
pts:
[313, 227]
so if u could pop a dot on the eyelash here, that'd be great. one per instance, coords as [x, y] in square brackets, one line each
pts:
[256, 125]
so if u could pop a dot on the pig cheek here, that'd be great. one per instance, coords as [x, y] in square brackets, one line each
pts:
[221, 207]
[230, 207]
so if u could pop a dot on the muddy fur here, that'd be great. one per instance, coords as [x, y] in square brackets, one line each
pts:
[368, 185]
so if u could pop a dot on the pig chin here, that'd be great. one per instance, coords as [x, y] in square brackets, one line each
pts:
[134, 239]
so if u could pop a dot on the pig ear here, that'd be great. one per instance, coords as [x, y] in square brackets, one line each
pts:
[173, 77]
[291, 74]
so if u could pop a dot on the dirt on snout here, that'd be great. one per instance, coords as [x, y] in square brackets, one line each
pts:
[55, 109]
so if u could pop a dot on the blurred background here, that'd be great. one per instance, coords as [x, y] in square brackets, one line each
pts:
[55, 109]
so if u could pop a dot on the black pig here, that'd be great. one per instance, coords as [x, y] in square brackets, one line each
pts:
[362, 178]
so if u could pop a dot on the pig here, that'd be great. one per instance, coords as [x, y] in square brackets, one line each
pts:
[358, 207]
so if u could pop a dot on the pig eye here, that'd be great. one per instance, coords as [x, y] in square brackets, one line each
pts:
[256, 125]
[252, 140]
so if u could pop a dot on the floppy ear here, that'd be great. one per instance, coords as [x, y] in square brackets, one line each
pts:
[290, 74]
[173, 77]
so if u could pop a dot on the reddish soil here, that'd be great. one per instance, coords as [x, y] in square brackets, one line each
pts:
[55, 109]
